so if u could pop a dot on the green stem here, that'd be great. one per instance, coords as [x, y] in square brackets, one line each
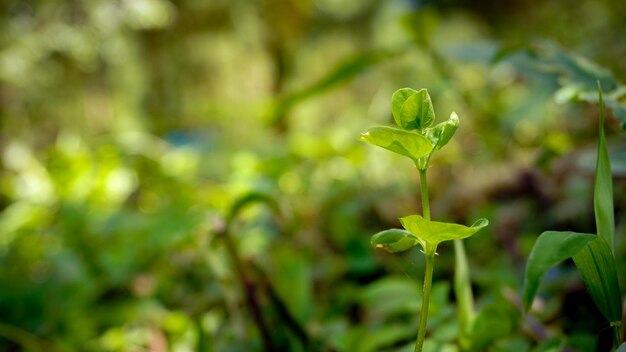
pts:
[463, 292]
[616, 335]
[249, 290]
[424, 191]
[428, 281]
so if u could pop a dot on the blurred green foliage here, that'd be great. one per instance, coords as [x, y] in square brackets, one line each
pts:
[130, 129]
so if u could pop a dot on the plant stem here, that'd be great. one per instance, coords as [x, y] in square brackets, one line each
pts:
[428, 281]
[249, 290]
[616, 336]
[463, 292]
[424, 191]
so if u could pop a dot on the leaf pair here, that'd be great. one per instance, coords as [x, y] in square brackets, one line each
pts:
[414, 113]
[424, 232]
[592, 254]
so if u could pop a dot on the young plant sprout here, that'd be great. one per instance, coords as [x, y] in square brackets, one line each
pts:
[413, 112]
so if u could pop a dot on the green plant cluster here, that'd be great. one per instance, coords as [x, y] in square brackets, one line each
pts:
[185, 175]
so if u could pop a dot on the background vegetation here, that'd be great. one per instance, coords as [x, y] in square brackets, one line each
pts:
[168, 166]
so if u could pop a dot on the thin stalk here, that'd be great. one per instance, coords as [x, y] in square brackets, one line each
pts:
[430, 259]
[249, 291]
[617, 340]
[428, 282]
[424, 192]
[463, 292]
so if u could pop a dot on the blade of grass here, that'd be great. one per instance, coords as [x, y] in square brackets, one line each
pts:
[603, 187]
[463, 293]
[551, 248]
[597, 267]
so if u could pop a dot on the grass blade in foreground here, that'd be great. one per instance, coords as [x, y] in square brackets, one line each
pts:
[597, 267]
[603, 187]
[551, 248]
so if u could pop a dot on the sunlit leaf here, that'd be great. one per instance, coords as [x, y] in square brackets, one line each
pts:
[441, 134]
[603, 187]
[412, 109]
[597, 267]
[434, 232]
[394, 240]
[551, 248]
[407, 143]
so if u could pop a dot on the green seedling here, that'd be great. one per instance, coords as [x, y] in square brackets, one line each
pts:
[413, 112]
[593, 254]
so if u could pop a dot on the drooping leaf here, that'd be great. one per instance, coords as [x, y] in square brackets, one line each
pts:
[411, 109]
[394, 240]
[407, 143]
[597, 267]
[441, 134]
[603, 187]
[551, 248]
[434, 232]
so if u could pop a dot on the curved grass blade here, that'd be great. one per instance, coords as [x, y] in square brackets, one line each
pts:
[603, 187]
[597, 266]
[551, 248]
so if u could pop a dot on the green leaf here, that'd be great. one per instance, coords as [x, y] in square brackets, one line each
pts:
[433, 232]
[394, 240]
[495, 320]
[411, 109]
[441, 134]
[603, 188]
[406, 143]
[597, 267]
[551, 248]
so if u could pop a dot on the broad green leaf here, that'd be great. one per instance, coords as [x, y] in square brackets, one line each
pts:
[434, 232]
[603, 188]
[394, 240]
[411, 109]
[597, 267]
[551, 248]
[407, 143]
[441, 134]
